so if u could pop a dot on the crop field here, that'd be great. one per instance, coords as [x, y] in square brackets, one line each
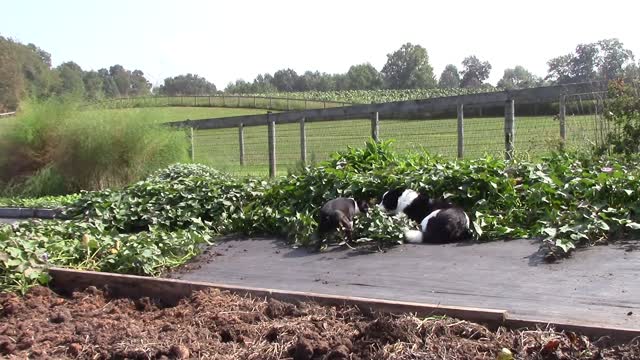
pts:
[535, 136]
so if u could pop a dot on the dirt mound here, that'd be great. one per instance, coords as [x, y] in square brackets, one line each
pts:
[214, 324]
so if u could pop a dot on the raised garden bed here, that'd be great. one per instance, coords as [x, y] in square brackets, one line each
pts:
[215, 324]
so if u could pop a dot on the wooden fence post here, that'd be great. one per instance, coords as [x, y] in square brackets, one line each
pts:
[562, 120]
[272, 144]
[460, 131]
[509, 128]
[303, 142]
[254, 102]
[209, 100]
[241, 143]
[224, 102]
[375, 126]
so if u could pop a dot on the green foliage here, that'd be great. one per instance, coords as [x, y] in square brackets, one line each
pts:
[364, 77]
[622, 111]
[450, 78]
[518, 78]
[25, 72]
[26, 249]
[474, 72]
[567, 200]
[189, 84]
[40, 202]
[408, 68]
[172, 198]
[52, 148]
[606, 59]
[375, 96]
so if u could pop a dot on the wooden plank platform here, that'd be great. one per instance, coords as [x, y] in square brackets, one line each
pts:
[597, 286]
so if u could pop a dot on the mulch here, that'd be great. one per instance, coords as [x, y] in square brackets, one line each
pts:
[218, 325]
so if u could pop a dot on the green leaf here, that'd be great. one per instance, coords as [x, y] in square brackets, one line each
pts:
[633, 225]
[551, 232]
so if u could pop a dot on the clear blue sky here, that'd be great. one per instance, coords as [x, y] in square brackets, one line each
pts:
[227, 40]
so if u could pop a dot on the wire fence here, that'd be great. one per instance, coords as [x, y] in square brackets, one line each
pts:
[534, 137]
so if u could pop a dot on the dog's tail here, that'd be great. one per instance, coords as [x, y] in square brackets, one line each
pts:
[413, 236]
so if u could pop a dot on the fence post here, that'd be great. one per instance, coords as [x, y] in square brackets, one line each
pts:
[195, 100]
[224, 102]
[460, 131]
[209, 100]
[272, 144]
[192, 152]
[241, 142]
[562, 120]
[375, 126]
[238, 101]
[303, 142]
[509, 128]
[254, 102]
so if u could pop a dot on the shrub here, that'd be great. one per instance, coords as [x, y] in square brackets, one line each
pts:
[622, 112]
[52, 141]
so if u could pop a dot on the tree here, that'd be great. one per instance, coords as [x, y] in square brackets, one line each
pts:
[285, 80]
[189, 84]
[140, 86]
[109, 86]
[43, 55]
[263, 84]
[560, 69]
[71, 79]
[239, 87]
[449, 79]
[93, 85]
[632, 71]
[364, 77]
[474, 72]
[613, 58]
[408, 68]
[518, 78]
[603, 60]
[122, 79]
[11, 80]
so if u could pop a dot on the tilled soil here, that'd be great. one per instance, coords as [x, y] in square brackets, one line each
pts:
[218, 325]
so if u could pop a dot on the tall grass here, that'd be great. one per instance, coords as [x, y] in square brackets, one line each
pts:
[53, 148]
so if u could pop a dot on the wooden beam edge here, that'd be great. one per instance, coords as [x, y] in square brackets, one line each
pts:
[171, 291]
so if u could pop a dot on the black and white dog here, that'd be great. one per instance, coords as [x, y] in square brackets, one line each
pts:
[440, 221]
[339, 212]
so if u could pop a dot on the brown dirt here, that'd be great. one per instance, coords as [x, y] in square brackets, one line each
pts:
[218, 325]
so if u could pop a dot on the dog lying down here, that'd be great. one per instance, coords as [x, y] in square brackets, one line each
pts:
[440, 221]
[339, 213]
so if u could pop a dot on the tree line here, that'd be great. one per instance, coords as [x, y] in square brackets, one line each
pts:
[26, 70]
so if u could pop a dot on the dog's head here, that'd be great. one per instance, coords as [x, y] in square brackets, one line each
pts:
[363, 206]
[389, 201]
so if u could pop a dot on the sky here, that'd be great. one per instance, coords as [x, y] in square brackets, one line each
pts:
[239, 39]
